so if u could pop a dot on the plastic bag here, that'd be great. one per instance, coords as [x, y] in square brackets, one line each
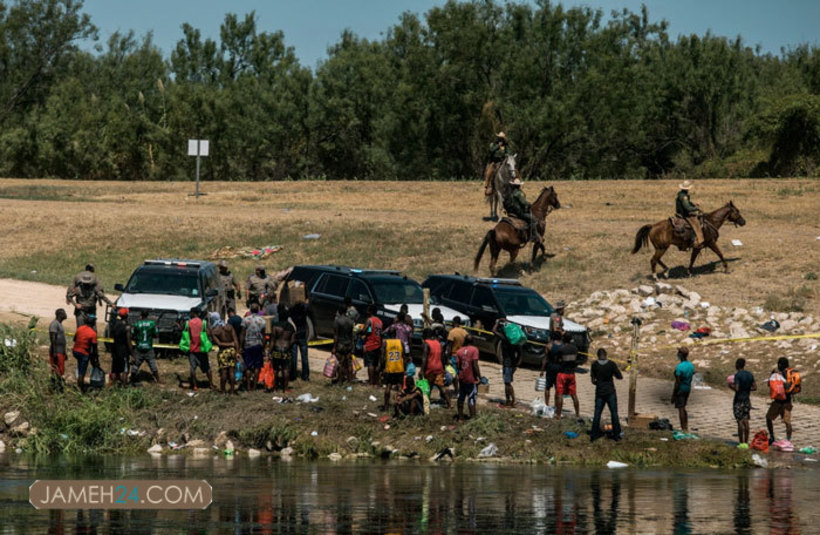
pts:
[489, 451]
[424, 386]
[760, 442]
[330, 367]
[97, 377]
[515, 334]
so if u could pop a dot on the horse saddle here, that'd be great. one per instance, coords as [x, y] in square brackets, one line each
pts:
[683, 229]
[520, 226]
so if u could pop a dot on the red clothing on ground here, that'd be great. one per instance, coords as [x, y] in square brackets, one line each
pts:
[464, 360]
[83, 339]
[434, 364]
[195, 329]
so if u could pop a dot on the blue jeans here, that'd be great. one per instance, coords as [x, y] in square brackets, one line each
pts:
[82, 365]
[300, 345]
[612, 401]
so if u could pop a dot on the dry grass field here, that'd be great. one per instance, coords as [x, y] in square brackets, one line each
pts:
[50, 228]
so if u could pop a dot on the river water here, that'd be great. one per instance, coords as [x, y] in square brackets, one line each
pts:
[269, 496]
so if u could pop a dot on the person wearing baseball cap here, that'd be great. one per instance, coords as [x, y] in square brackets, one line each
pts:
[121, 350]
[231, 287]
[259, 285]
[685, 208]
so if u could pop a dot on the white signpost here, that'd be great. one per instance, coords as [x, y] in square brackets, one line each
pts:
[198, 148]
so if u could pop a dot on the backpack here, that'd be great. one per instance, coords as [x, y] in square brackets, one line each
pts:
[794, 380]
[515, 334]
[777, 387]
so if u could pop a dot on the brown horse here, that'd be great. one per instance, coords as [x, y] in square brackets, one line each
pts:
[663, 235]
[505, 236]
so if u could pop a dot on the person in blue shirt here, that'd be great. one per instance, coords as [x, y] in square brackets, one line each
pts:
[684, 372]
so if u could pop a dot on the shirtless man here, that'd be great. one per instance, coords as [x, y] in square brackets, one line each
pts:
[282, 338]
[224, 336]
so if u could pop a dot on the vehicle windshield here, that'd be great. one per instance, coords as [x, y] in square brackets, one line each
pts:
[522, 303]
[166, 282]
[398, 292]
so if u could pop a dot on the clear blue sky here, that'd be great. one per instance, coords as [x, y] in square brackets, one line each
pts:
[310, 26]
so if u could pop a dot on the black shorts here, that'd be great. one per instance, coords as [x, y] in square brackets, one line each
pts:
[393, 379]
[681, 398]
[372, 358]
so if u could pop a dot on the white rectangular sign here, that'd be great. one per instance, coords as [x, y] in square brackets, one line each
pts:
[192, 147]
[198, 147]
[203, 147]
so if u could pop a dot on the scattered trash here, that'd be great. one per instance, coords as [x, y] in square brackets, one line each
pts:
[616, 464]
[384, 418]
[311, 236]
[737, 243]
[649, 302]
[743, 446]
[705, 304]
[191, 394]
[386, 427]
[808, 450]
[314, 433]
[680, 325]
[809, 460]
[307, 398]
[372, 415]
[759, 461]
[571, 434]
[660, 424]
[760, 442]
[489, 451]
[349, 389]
[480, 439]
[771, 326]
[372, 398]
[783, 445]
[428, 438]
[10, 342]
[680, 435]
[703, 332]
[664, 439]
[446, 452]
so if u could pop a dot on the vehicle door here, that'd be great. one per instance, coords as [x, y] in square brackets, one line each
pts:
[361, 297]
[328, 294]
[483, 312]
[458, 296]
[212, 291]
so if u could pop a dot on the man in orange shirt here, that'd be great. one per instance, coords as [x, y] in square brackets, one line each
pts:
[85, 348]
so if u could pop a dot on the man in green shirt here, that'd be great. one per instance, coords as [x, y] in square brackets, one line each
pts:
[143, 333]
[517, 206]
[690, 211]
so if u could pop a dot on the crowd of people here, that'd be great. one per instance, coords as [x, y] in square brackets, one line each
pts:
[263, 348]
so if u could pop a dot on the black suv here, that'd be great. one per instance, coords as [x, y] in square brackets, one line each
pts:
[327, 286]
[486, 300]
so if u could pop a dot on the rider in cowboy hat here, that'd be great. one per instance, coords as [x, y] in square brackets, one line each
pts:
[498, 151]
[516, 205]
[686, 209]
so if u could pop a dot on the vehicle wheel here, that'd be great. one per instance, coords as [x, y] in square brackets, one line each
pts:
[311, 331]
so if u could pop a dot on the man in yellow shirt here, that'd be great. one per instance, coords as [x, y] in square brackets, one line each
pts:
[393, 365]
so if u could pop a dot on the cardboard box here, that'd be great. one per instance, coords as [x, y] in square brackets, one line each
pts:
[296, 292]
[483, 389]
[641, 421]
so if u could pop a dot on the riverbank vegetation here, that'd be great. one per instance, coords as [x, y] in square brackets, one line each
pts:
[342, 421]
[582, 94]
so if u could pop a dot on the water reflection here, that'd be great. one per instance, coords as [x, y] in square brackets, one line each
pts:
[265, 497]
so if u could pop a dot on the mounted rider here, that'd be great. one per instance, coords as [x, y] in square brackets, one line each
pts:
[517, 206]
[689, 211]
[498, 151]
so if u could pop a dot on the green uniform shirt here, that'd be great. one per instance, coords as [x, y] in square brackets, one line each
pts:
[516, 204]
[498, 152]
[144, 332]
[683, 205]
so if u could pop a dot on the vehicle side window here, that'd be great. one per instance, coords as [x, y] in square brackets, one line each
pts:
[438, 287]
[460, 293]
[357, 291]
[483, 299]
[332, 285]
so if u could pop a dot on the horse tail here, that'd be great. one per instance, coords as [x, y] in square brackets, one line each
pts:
[641, 238]
[489, 236]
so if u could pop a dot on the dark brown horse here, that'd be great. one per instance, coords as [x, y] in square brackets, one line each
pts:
[505, 236]
[662, 235]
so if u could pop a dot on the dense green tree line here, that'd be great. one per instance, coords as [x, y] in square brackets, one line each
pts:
[580, 95]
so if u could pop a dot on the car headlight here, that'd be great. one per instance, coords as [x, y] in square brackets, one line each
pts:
[535, 333]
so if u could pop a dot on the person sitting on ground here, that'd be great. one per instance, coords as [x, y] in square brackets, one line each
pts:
[343, 344]
[743, 384]
[85, 349]
[226, 340]
[565, 384]
[372, 345]
[143, 332]
[252, 342]
[57, 349]
[432, 364]
[469, 375]
[511, 357]
[282, 339]
[393, 361]
[121, 350]
[602, 374]
[410, 401]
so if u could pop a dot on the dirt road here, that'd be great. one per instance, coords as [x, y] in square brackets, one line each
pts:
[710, 410]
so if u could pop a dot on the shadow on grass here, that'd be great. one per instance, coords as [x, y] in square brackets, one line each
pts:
[681, 272]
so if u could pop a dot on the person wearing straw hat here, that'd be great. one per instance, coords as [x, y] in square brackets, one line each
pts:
[517, 206]
[690, 211]
[498, 151]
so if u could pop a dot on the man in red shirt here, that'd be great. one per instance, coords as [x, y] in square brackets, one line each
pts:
[433, 365]
[85, 348]
[468, 376]
[372, 345]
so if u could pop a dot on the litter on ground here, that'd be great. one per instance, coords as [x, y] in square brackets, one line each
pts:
[489, 451]
[616, 464]
[228, 251]
[307, 398]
